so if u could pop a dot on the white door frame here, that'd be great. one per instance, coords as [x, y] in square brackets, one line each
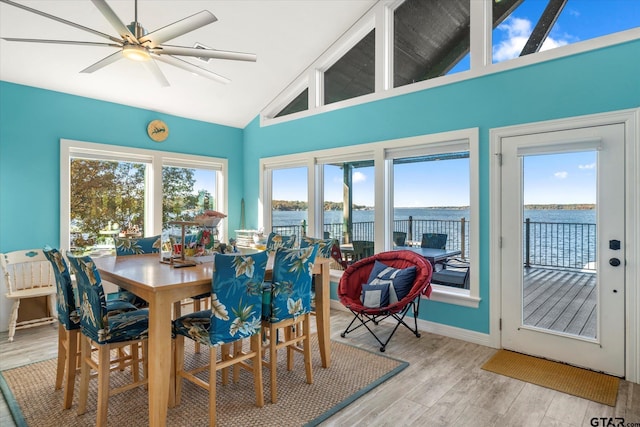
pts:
[631, 120]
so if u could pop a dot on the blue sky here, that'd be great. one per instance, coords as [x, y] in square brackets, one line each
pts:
[571, 177]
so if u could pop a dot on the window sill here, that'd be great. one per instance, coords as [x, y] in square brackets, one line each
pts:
[454, 296]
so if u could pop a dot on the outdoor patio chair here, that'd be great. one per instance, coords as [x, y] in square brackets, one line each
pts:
[27, 274]
[399, 238]
[287, 307]
[362, 249]
[235, 315]
[385, 285]
[106, 331]
[454, 273]
[434, 240]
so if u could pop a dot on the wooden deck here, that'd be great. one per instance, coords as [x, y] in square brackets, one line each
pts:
[561, 300]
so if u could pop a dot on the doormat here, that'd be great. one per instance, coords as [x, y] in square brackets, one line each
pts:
[568, 379]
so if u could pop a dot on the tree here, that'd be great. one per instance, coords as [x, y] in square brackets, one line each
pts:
[178, 197]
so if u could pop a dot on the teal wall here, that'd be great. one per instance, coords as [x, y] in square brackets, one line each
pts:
[598, 81]
[32, 122]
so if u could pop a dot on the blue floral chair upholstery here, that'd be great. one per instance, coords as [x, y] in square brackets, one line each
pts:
[235, 314]
[68, 325]
[275, 241]
[288, 309]
[67, 303]
[133, 246]
[324, 245]
[130, 246]
[106, 331]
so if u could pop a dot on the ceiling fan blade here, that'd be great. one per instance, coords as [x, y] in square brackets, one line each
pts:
[178, 28]
[64, 21]
[153, 68]
[187, 66]
[115, 22]
[204, 53]
[13, 39]
[103, 62]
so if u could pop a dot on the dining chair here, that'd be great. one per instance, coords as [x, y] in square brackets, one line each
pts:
[126, 246]
[105, 332]
[325, 247]
[235, 315]
[288, 304]
[362, 249]
[434, 240]
[399, 238]
[67, 303]
[275, 241]
[27, 274]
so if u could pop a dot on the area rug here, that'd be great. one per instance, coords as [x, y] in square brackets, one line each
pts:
[568, 379]
[29, 391]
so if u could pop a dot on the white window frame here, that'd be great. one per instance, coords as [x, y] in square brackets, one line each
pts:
[383, 154]
[380, 16]
[155, 160]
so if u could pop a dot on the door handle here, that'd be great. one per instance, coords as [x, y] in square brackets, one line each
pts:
[614, 262]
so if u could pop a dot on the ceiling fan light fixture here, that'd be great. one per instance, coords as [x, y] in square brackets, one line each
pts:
[136, 53]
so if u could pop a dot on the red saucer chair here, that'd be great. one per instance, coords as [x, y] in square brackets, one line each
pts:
[356, 275]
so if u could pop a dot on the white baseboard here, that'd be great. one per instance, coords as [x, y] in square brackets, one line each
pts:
[440, 329]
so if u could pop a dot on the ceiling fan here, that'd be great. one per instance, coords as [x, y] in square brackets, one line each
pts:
[136, 44]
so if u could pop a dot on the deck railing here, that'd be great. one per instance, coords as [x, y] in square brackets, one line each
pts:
[546, 244]
[559, 244]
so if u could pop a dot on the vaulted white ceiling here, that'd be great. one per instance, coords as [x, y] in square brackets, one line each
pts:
[286, 35]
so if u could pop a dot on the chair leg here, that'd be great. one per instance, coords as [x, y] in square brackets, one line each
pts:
[85, 372]
[213, 357]
[256, 366]
[196, 307]
[135, 361]
[179, 357]
[172, 377]
[307, 347]
[70, 366]
[62, 355]
[13, 319]
[104, 371]
[224, 356]
[273, 362]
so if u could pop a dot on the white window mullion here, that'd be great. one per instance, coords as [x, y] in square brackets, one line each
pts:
[481, 28]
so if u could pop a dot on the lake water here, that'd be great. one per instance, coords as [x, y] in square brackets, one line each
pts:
[558, 237]
[536, 215]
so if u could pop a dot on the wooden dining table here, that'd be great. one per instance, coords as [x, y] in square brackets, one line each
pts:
[161, 285]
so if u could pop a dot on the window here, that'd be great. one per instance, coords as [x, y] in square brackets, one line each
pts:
[299, 103]
[414, 45]
[429, 40]
[290, 201]
[447, 165]
[348, 194]
[107, 190]
[534, 25]
[354, 74]
[441, 206]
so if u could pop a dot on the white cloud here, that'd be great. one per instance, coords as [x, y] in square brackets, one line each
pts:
[518, 31]
[359, 177]
[561, 174]
[589, 166]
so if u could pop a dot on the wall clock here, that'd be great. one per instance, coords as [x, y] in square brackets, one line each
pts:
[158, 130]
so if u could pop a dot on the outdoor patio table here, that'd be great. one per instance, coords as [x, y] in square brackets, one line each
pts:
[161, 285]
[431, 254]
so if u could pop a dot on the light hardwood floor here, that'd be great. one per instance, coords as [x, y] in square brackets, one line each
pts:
[443, 385]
